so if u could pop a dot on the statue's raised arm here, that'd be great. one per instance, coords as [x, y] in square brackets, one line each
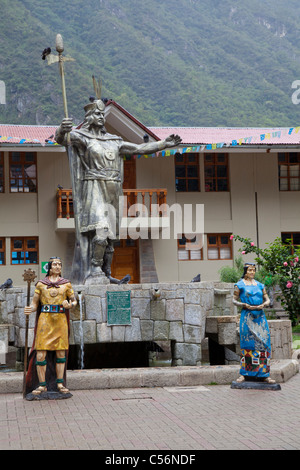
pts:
[128, 148]
[61, 132]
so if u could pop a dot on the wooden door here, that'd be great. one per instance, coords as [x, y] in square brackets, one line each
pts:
[126, 255]
[129, 174]
[130, 179]
[126, 260]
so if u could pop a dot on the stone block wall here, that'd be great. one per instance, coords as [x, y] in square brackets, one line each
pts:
[223, 299]
[178, 315]
[225, 331]
[183, 313]
[281, 339]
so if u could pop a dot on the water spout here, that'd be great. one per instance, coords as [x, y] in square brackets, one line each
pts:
[81, 331]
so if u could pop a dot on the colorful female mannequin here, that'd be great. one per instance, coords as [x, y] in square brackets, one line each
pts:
[255, 341]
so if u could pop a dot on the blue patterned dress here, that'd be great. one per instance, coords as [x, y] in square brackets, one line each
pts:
[254, 333]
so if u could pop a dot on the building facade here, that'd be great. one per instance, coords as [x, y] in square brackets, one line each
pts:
[181, 206]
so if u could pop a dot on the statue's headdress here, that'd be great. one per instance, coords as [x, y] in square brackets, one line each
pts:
[97, 104]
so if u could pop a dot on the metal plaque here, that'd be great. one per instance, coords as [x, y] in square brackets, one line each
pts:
[118, 308]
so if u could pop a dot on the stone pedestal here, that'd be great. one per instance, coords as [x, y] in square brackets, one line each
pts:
[177, 316]
[255, 385]
[48, 396]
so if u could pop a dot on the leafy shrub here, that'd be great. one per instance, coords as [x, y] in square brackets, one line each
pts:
[234, 273]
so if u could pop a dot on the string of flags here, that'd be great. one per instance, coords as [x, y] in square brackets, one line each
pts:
[193, 149]
[232, 143]
[21, 140]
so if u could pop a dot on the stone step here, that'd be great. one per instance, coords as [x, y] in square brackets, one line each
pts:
[97, 379]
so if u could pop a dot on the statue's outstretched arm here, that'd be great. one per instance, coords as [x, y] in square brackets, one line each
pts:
[128, 148]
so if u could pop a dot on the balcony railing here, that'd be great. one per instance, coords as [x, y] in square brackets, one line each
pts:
[144, 202]
[64, 204]
[137, 202]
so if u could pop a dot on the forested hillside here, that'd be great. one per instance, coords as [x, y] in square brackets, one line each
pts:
[168, 62]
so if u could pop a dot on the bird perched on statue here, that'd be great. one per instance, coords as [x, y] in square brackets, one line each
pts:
[196, 278]
[46, 52]
[7, 284]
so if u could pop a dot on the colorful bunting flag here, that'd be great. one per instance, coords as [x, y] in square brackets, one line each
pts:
[194, 149]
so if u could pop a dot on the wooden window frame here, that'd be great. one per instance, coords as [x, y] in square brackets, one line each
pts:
[2, 250]
[185, 163]
[293, 246]
[218, 245]
[23, 249]
[21, 188]
[286, 162]
[2, 176]
[182, 247]
[215, 178]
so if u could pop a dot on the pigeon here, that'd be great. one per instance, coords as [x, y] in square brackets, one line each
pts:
[196, 278]
[125, 279]
[46, 52]
[7, 284]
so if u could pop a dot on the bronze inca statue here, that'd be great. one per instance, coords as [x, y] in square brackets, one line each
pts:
[96, 163]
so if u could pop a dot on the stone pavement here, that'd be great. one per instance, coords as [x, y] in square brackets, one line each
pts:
[169, 418]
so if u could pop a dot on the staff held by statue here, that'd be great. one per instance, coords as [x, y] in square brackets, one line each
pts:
[28, 276]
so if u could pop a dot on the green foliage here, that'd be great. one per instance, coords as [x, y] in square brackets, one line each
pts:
[280, 264]
[232, 274]
[170, 63]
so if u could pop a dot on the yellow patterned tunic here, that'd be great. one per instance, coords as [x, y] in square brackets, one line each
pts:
[52, 328]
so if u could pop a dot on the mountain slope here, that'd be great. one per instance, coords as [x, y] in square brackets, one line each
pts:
[174, 62]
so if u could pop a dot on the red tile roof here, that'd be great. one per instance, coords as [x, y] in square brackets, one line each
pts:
[15, 134]
[232, 135]
[29, 134]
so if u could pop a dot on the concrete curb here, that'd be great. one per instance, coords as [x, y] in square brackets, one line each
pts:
[97, 379]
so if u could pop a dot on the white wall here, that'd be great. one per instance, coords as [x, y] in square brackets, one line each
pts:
[229, 212]
[253, 208]
[34, 214]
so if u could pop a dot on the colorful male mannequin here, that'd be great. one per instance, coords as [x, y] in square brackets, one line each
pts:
[53, 297]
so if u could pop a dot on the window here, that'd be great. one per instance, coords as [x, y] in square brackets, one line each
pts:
[216, 172]
[292, 238]
[219, 246]
[1, 172]
[288, 169]
[24, 250]
[2, 251]
[22, 172]
[184, 251]
[187, 172]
